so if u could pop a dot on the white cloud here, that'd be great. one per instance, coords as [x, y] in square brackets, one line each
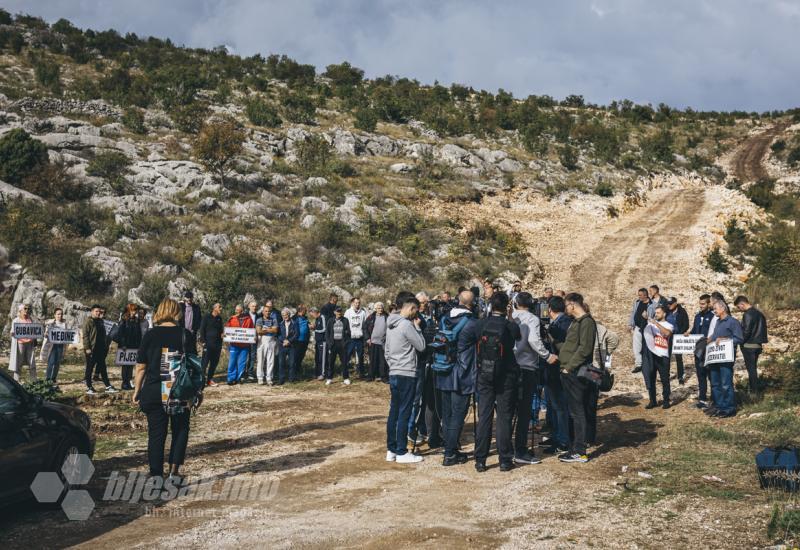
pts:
[710, 54]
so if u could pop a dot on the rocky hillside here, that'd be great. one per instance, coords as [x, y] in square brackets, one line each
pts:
[132, 168]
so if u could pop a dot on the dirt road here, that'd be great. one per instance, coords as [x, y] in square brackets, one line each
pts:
[325, 446]
[748, 163]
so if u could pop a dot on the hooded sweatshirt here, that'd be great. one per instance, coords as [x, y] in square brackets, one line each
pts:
[403, 341]
[461, 378]
[529, 348]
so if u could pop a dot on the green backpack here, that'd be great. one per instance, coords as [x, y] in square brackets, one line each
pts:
[190, 380]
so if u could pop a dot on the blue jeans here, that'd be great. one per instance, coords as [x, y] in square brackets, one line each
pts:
[54, 361]
[286, 362]
[557, 408]
[722, 387]
[421, 427]
[237, 362]
[402, 390]
[357, 345]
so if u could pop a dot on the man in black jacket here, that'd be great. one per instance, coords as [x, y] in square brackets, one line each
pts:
[497, 382]
[190, 314]
[328, 309]
[318, 323]
[209, 335]
[680, 321]
[754, 329]
[337, 337]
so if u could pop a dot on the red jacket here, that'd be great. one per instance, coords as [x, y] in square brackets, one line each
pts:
[243, 321]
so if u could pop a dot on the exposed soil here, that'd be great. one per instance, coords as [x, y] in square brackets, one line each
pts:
[748, 163]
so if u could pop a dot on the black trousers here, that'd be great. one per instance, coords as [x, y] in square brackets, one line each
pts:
[454, 412]
[127, 374]
[210, 360]
[750, 356]
[703, 376]
[590, 408]
[300, 349]
[575, 389]
[652, 365]
[528, 381]
[502, 392]
[679, 363]
[433, 406]
[96, 361]
[338, 349]
[377, 363]
[157, 422]
[320, 357]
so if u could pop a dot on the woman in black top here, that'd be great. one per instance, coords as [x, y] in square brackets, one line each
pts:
[161, 346]
[128, 336]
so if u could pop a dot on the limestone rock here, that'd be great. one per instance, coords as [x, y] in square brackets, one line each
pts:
[109, 263]
[216, 243]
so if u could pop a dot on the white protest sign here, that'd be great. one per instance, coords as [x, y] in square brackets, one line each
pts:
[719, 353]
[125, 357]
[684, 345]
[63, 336]
[109, 326]
[238, 335]
[33, 331]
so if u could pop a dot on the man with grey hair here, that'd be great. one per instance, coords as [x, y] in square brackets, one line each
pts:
[267, 337]
[249, 373]
[287, 336]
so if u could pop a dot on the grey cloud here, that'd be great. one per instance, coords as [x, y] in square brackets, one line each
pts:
[708, 54]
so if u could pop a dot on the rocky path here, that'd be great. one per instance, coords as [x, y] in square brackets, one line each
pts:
[748, 163]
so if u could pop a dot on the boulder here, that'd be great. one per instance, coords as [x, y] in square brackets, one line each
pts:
[80, 142]
[417, 150]
[315, 203]
[316, 182]
[401, 168]
[347, 212]
[208, 204]
[509, 165]
[198, 256]
[109, 263]
[308, 221]
[381, 146]
[454, 155]
[9, 193]
[167, 178]
[216, 243]
[138, 204]
[345, 143]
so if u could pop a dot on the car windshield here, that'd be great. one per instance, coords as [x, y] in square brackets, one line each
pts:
[10, 398]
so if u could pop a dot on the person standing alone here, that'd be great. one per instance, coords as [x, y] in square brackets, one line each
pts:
[210, 337]
[754, 333]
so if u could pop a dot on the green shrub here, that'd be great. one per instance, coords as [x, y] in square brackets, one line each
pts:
[84, 279]
[779, 253]
[133, 119]
[299, 108]
[716, 261]
[736, 237]
[604, 189]
[217, 145]
[761, 193]
[344, 75]
[784, 523]
[659, 147]
[568, 155]
[20, 155]
[793, 157]
[778, 146]
[54, 181]
[191, 117]
[366, 119]
[5, 17]
[46, 389]
[47, 74]
[261, 113]
[314, 156]
[227, 283]
[109, 165]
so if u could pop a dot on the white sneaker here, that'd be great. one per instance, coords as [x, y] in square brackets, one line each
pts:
[90, 391]
[346, 381]
[328, 382]
[262, 382]
[390, 456]
[408, 458]
[111, 389]
[320, 378]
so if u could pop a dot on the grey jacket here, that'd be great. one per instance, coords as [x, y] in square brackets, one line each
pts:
[529, 349]
[403, 341]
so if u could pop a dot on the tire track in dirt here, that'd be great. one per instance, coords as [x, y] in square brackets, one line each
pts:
[748, 163]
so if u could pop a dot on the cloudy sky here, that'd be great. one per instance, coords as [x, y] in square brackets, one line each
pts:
[707, 54]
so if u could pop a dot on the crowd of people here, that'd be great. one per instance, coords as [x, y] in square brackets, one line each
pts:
[510, 354]
[655, 321]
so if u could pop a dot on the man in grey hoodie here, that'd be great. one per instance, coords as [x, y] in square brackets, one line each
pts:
[404, 340]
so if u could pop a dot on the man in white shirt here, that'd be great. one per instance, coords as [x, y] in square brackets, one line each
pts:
[656, 336]
[356, 316]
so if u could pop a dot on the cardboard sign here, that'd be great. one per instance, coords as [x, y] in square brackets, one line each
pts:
[33, 331]
[126, 357]
[719, 353]
[684, 345]
[238, 335]
[63, 336]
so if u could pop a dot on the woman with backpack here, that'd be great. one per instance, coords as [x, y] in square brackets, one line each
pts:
[161, 347]
[128, 337]
[375, 330]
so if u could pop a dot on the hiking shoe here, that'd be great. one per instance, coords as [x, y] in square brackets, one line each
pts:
[726, 414]
[346, 382]
[636, 369]
[408, 458]
[506, 466]
[328, 382]
[575, 457]
[211, 383]
[710, 411]
[480, 466]
[651, 405]
[554, 450]
[111, 389]
[90, 391]
[525, 458]
[666, 404]
[390, 456]
[701, 404]
[458, 458]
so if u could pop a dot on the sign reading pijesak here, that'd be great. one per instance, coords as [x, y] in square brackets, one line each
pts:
[34, 331]
[63, 336]
[238, 335]
[684, 345]
[719, 353]
[126, 357]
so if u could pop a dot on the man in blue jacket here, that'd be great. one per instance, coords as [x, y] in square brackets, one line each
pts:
[702, 320]
[726, 328]
[459, 384]
[303, 338]
[558, 415]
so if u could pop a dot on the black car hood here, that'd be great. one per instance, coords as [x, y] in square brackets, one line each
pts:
[73, 415]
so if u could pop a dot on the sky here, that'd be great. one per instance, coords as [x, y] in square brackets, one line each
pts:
[706, 54]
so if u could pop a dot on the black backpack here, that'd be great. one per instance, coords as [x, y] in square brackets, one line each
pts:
[491, 351]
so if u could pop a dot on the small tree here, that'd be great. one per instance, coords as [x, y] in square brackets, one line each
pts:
[568, 155]
[261, 113]
[20, 155]
[366, 119]
[217, 145]
[133, 119]
[314, 156]
[112, 166]
[716, 261]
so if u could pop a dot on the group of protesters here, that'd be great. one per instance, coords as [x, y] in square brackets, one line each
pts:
[655, 322]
